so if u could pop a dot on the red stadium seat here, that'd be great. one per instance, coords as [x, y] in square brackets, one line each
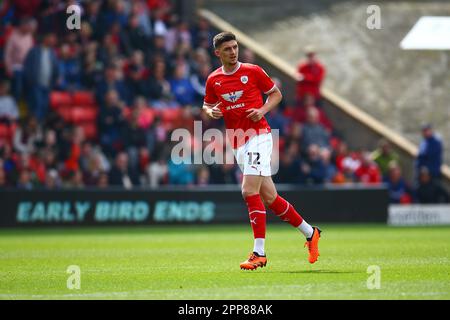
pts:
[90, 129]
[65, 112]
[4, 130]
[83, 98]
[7, 132]
[168, 115]
[59, 98]
[83, 114]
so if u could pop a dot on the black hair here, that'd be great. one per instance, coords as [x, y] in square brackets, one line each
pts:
[222, 37]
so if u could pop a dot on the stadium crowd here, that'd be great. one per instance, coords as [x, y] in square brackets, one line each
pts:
[96, 107]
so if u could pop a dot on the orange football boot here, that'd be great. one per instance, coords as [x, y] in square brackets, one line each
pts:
[313, 245]
[254, 261]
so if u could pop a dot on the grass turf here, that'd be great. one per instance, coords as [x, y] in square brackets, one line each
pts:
[202, 262]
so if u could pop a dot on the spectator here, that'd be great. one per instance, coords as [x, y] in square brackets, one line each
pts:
[339, 154]
[277, 120]
[181, 87]
[301, 113]
[158, 51]
[110, 82]
[248, 56]
[145, 116]
[429, 190]
[50, 142]
[69, 70]
[91, 71]
[93, 164]
[109, 49]
[180, 169]
[158, 87]
[93, 18]
[137, 74]
[178, 37]
[103, 180]
[288, 171]
[383, 156]
[157, 172]
[27, 135]
[141, 12]
[226, 173]
[294, 134]
[314, 132]
[17, 47]
[121, 174]
[203, 176]
[49, 160]
[310, 76]
[52, 179]
[198, 83]
[52, 15]
[25, 180]
[34, 163]
[86, 34]
[133, 37]
[111, 123]
[134, 138]
[330, 168]
[26, 8]
[9, 159]
[3, 180]
[40, 75]
[115, 13]
[399, 191]
[73, 156]
[75, 179]
[313, 170]
[368, 172]
[202, 32]
[8, 107]
[430, 152]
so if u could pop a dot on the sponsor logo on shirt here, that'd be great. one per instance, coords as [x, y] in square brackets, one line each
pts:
[233, 96]
[240, 105]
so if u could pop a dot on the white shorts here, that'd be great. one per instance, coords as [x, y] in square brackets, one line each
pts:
[254, 157]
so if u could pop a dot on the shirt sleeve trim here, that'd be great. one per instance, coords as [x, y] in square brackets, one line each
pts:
[271, 90]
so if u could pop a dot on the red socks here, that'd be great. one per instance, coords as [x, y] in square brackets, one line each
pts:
[257, 213]
[286, 211]
[280, 207]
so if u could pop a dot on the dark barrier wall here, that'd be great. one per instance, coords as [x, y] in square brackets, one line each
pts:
[182, 205]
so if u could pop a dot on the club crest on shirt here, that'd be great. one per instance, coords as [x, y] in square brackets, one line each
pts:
[244, 79]
[233, 96]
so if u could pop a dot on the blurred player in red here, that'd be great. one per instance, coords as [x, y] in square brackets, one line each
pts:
[233, 92]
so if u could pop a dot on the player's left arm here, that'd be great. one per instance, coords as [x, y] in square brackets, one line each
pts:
[274, 96]
[273, 99]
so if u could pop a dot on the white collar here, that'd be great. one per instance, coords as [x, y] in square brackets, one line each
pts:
[232, 72]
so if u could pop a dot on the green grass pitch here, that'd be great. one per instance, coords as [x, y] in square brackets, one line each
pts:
[202, 262]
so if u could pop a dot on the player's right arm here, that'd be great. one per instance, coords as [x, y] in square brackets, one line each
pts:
[211, 102]
[213, 111]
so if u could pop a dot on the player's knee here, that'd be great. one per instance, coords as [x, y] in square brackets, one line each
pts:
[268, 199]
[248, 192]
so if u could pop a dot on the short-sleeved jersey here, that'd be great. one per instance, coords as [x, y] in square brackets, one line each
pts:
[239, 91]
